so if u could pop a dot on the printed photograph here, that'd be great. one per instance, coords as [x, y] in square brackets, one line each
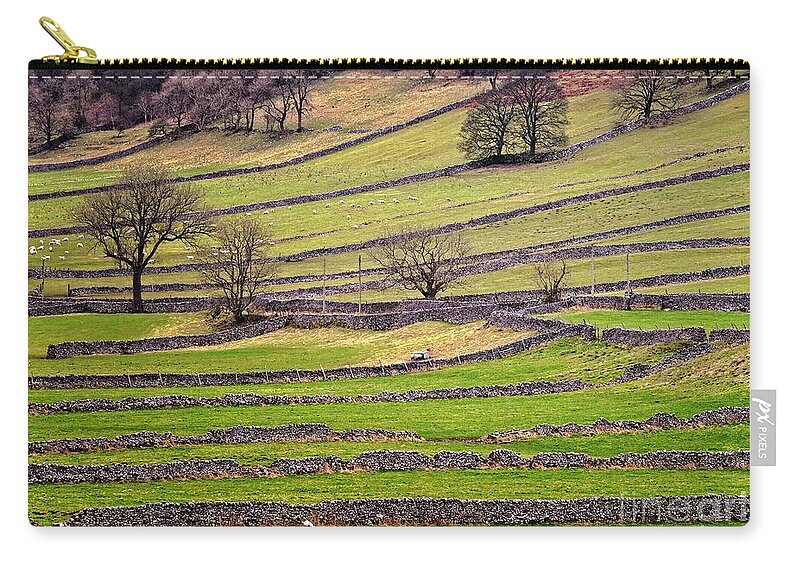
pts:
[388, 297]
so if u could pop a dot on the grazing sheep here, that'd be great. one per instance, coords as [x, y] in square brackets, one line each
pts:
[328, 205]
[65, 239]
[314, 211]
[40, 248]
[66, 252]
[269, 223]
[396, 200]
[381, 201]
[372, 202]
[272, 243]
[349, 217]
[80, 236]
[41, 242]
[341, 201]
[50, 248]
[355, 227]
[189, 257]
[79, 244]
[449, 199]
[290, 206]
[413, 198]
[61, 257]
[266, 212]
[33, 250]
[45, 257]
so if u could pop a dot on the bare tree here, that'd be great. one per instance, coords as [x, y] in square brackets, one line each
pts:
[235, 263]
[550, 277]
[425, 261]
[278, 106]
[174, 101]
[651, 93]
[487, 131]
[46, 118]
[145, 104]
[299, 90]
[148, 209]
[542, 113]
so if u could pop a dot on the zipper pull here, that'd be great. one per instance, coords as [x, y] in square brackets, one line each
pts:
[72, 52]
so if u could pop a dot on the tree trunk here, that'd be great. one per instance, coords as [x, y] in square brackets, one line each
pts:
[138, 304]
[299, 119]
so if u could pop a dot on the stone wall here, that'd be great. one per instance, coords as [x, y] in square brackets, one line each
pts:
[49, 167]
[235, 434]
[633, 337]
[675, 301]
[732, 336]
[721, 416]
[78, 348]
[427, 512]
[174, 401]
[381, 460]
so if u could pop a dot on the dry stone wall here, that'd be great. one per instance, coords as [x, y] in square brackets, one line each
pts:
[231, 435]
[731, 336]
[633, 337]
[427, 512]
[721, 416]
[381, 460]
[174, 401]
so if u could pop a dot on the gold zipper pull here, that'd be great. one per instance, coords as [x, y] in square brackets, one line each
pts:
[72, 52]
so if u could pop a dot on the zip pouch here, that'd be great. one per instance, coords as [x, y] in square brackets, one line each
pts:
[382, 292]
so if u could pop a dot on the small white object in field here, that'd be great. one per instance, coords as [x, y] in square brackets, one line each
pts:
[33, 250]
[372, 202]
[308, 523]
[50, 248]
[314, 211]
[355, 227]
[396, 200]
[341, 201]
[413, 198]
[189, 257]
[449, 199]
[79, 244]
[41, 247]
[66, 252]
[266, 212]
[269, 223]
[80, 236]
[248, 213]
[290, 206]
[65, 238]
[57, 241]
[328, 205]
[272, 243]
[381, 201]
[45, 257]
[349, 217]
[41, 241]
[61, 257]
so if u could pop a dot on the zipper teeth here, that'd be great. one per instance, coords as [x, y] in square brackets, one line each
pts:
[441, 63]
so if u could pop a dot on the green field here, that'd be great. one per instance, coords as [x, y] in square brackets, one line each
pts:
[53, 503]
[655, 319]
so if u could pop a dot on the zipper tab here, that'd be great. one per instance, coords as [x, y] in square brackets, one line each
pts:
[72, 52]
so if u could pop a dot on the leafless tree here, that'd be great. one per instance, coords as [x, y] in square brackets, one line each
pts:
[299, 90]
[235, 263]
[46, 117]
[487, 131]
[550, 278]
[542, 113]
[174, 101]
[145, 104]
[651, 93]
[425, 261]
[280, 104]
[130, 223]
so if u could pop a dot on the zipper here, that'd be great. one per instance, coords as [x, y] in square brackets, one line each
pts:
[79, 57]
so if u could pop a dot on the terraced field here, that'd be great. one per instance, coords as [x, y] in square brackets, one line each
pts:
[633, 384]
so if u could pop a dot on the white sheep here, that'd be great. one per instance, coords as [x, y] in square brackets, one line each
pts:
[272, 243]
[65, 239]
[61, 257]
[341, 201]
[50, 248]
[328, 205]
[349, 217]
[40, 248]
[45, 257]
[189, 257]
[79, 244]
[33, 250]
[248, 213]
[266, 212]
[372, 202]
[41, 242]
[396, 200]
[314, 211]
[355, 227]
[58, 241]
[66, 252]
[449, 199]
[413, 198]
[80, 236]
[269, 223]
